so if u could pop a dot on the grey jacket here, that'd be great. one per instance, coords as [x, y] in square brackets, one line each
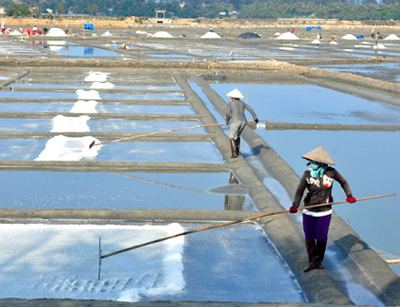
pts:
[235, 111]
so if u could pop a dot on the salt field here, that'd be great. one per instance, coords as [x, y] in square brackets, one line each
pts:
[109, 141]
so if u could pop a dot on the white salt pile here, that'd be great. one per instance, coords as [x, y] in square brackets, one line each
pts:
[56, 32]
[96, 76]
[82, 106]
[141, 32]
[92, 94]
[62, 148]
[211, 34]
[392, 37]
[316, 41]
[107, 33]
[287, 35]
[15, 32]
[162, 34]
[277, 33]
[333, 43]
[102, 85]
[349, 37]
[62, 123]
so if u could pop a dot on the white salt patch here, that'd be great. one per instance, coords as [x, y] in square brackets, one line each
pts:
[316, 41]
[92, 94]
[107, 33]
[102, 85]
[83, 106]
[379, 46]
[277, 33]
[211, 35]
[96, 76]
[287, 35]
[70, 124]
[349, 37]
[56, 32]
[15, 32]
[392, 37]
[141, 32]
[287, 48]
[172, 268]
[333, 43]
[162, 34]
[62, 148]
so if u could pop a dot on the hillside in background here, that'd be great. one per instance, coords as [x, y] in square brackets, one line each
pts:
[243, 9]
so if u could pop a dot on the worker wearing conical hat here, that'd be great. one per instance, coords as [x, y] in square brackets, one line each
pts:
[318, 180]
[235, 117]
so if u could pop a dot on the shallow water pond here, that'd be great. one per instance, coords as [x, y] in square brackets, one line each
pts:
[96, 190]
[291, 103]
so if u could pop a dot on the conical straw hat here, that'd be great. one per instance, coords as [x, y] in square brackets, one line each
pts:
[319, 155]
[235, 94]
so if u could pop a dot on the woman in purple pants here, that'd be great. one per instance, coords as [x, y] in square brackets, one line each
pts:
[318, 180]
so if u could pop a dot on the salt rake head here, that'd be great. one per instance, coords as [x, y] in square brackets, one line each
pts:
[91, 144]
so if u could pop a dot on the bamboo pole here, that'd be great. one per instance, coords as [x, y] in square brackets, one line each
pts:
[157, 132]
[231, 223]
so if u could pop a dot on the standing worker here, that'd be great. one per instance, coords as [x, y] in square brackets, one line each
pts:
[235, 117]
[318, 180]
[3, 27]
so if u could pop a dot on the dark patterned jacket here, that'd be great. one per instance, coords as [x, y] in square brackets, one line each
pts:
[319, 189]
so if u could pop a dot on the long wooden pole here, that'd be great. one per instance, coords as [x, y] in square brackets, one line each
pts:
[234, 222]
[157, 132]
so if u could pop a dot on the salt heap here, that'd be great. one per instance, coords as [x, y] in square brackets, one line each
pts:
[287, 35]
[162, 34]
[392, 37]
[316, 41]
[333, 43]
[108, 33]
[141, 32]
[56, 32]
[211, 34]
[15, 32]
[349, 37]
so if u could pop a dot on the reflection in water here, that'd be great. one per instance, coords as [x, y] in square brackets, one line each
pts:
[234, 202]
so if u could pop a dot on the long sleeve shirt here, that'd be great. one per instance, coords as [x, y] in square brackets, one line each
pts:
[319, 189]
[235, 111]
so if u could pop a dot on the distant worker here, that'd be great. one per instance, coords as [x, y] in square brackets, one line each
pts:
[378, 35]
[292, 30]
[35, 30]
[66, 29]
[3, 27]
[373, 33]
[318, 180]
[235, 117]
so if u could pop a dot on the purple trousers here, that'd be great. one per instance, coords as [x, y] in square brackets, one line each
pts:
[316, 227]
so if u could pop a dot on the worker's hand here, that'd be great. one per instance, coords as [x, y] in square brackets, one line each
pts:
[351, 199]
[293, 209]
[256, 120]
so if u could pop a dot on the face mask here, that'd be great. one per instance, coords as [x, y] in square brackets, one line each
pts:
[314, 165]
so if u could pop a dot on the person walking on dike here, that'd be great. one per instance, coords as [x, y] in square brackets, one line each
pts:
[318, 180]
[235, 117]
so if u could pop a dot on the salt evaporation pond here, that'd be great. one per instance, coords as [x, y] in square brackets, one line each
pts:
[310, 104]
[385, 71]
[117, 191]
[71, 95]
[97, 125]
[61, 261]
[99, 107]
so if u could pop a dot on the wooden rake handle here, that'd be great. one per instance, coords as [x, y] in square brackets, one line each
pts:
[234, 222]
